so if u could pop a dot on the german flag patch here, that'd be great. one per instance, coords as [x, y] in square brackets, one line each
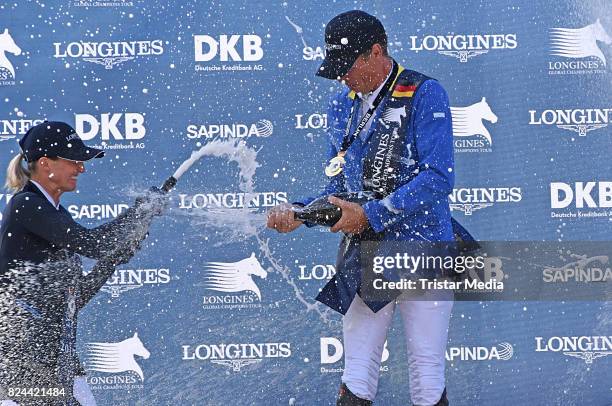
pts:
[403, 91]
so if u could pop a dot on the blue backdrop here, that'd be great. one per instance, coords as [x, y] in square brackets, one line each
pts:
[152, 81]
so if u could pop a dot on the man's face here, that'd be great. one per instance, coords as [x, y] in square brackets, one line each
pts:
[360, 78]
[63, 173]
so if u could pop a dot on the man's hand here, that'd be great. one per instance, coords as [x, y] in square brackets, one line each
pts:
[281, 219]
[353, 220]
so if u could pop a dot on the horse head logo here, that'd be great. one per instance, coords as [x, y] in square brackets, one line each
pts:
[235, 276]
[394, 115]
[117, 357]
[467, 121]
[7, 44]
[579, 42]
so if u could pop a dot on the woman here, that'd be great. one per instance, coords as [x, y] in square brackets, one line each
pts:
[42, 286]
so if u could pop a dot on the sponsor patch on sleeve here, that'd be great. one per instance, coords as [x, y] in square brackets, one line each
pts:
[439, 114]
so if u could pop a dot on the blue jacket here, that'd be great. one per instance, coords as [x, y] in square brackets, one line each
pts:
[418, 208]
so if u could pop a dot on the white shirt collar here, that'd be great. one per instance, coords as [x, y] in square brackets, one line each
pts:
[368, 99]
[47, 195]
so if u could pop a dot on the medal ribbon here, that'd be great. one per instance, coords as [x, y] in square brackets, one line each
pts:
[348, 140]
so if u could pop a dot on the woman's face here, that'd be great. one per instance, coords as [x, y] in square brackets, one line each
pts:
[63, 173]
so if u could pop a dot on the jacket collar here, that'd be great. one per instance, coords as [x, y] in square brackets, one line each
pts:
[31, 187]
[365, 136]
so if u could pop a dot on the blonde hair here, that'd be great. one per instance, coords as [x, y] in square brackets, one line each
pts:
[16, 174]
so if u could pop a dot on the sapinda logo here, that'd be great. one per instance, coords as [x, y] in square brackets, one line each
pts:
[237, 48]
[581, 194]
[96, 211]
[111, 126]
[502, 352]
[308, 53]
[261, 128]
[586, 269]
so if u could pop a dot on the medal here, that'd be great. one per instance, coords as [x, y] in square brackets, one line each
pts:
[335, 165]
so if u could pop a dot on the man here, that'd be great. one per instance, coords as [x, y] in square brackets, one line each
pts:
[390, 133]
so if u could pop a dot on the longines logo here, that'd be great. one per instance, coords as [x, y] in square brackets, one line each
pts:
[581, 199]
[586, 348]
[102, 3]
[124, 280]
[578, 50]
[463, 47]
[7, 70]
[394, 115]
[468, 200]
[469, 131]
[501, 352]
[309, 53]
[235, 284]
[236, 356]
[316, 272]
[314, 121]
[231, 200]
[11, 128]
[332, 350]
[114, 130]
[108, 54]
[113, 366]
[579, 121]
[262, 128]
[228, 48]
[96, 211]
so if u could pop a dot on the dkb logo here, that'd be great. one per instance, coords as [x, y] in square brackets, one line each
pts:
[112, 127]
[332, 351]
[208, 48]
[563, 195]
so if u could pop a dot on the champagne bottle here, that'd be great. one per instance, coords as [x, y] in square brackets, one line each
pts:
[321, 212]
